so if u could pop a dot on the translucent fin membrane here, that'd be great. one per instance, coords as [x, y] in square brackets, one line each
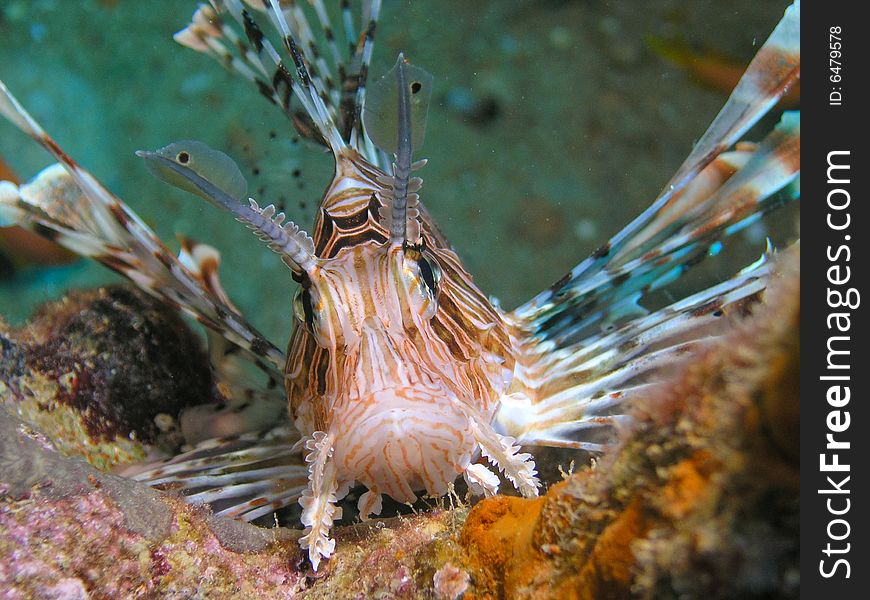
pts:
[363, 54]
[380, 116]
[586, 346]
[576, 396]
[176, 166]
[400, 208]
[592, 353]
[329, 88]
[774, 70]
[593, 301]
[771, 73]
[255, 397]
[210, 164]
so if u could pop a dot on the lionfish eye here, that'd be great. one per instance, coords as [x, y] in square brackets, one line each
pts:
[430, 272]
[302, 307]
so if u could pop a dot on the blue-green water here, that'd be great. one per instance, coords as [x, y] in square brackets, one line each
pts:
[552, 125]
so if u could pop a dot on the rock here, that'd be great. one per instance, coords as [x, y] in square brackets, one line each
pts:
[104, 373]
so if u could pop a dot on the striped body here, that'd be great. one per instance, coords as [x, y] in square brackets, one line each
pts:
[398, 371]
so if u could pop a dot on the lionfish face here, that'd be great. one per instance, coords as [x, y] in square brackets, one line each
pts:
[394, 354]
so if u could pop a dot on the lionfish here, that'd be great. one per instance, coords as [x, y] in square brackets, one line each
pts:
[400, 374]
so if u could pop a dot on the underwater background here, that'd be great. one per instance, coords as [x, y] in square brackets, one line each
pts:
[553, 123]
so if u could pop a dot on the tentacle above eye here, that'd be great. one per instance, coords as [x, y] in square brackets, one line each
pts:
[175, 166]
[402, 166]
[400, 129]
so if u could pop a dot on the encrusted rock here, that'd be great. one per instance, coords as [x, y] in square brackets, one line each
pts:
[104, 373]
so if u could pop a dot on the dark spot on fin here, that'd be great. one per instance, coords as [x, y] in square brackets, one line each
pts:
[602, 251]
[260, 346]
[282, 82]
[301, 70]
[711, 307]
[267, 92]
[561, 283]
[253, 31]
[621, 279]
[45, 232]
[380, 116]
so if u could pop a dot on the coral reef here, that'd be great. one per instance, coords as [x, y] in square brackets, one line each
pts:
[700, 499]
[70, 531]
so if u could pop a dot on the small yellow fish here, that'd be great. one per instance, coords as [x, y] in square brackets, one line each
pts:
[712, 69]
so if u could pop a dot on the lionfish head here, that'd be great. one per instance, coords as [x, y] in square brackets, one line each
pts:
[394, 353]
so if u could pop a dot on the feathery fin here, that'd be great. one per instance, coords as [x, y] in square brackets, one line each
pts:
[769, 75]
[586, 346]
[244, 476]
[294, 245]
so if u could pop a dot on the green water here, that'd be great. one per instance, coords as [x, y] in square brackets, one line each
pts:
[552, 125]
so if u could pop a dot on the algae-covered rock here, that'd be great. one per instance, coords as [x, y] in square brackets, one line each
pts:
[70, 531]
[104, 374]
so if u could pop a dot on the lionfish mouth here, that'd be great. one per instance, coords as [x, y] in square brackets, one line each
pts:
[396, 447]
